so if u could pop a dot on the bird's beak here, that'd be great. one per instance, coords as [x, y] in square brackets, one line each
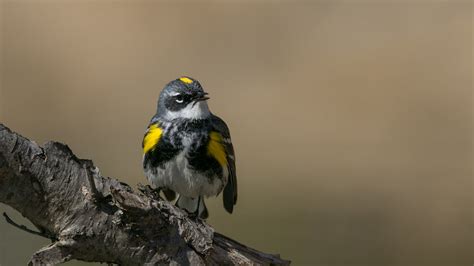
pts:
[201, 97]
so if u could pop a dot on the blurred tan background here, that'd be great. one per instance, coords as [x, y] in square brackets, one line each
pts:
[352, 121]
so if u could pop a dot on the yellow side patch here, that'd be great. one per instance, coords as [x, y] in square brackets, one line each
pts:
[186, 80]
[216, 148]
[151, 138]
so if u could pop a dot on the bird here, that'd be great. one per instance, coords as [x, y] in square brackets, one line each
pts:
[187, 150]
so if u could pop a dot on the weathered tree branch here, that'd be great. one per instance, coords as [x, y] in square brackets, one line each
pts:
[94, 218]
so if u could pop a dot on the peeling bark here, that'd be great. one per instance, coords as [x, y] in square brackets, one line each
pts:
[99, 219]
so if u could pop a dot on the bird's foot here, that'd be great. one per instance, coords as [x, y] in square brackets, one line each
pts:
[192, 215]
[150, 192]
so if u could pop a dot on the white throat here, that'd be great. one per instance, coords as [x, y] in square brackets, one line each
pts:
[200, 110]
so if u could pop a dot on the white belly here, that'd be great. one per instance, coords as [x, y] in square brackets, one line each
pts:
[177, 176]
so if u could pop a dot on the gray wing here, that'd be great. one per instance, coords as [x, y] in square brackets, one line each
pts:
[230, 191]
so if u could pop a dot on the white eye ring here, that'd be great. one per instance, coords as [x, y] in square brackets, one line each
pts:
[179, 98]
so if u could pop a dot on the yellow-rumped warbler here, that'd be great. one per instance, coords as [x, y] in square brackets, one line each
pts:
[188, 150]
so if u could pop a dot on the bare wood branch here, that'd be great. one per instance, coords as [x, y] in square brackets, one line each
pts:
[95, 218]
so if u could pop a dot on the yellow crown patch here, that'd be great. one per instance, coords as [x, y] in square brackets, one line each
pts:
[186, 80]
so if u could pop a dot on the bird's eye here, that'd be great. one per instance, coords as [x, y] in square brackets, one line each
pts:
[179, 98]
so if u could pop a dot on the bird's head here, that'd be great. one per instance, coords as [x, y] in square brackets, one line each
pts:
[183, 98]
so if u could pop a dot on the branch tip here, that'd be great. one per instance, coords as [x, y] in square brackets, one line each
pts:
[26, 229]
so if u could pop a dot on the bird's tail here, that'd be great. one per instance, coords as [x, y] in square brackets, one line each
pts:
[193, 205]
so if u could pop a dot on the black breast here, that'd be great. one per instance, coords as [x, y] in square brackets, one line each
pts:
[198, 157]
[171, 144]
[161, 153]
